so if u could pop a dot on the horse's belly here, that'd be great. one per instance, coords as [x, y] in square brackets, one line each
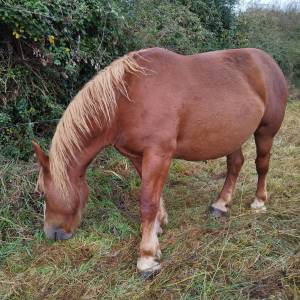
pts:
[215, 135]
[198, 150]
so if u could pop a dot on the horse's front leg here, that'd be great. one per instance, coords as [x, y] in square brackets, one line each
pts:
[155, 167]
[163, 215]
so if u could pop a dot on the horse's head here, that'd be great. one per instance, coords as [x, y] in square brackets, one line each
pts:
[61, 216]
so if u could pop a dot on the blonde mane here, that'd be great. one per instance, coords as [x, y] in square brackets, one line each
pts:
[95, 104]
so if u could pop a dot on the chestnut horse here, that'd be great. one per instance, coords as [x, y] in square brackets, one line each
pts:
[154, 105]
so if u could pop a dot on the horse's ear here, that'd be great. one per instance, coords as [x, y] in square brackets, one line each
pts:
[42, 157]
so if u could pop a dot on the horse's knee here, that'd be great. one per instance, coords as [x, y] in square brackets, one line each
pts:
[148, 211]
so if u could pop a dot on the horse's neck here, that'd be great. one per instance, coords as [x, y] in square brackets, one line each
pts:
[92, 147]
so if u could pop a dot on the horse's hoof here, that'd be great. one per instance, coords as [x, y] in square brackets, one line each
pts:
[258, 206]
[259, 210]
[217, 213]
[148, 275]
[148, 267]
[164, 219]
[160, 231]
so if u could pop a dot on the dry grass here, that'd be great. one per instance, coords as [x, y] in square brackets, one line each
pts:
[243, 257]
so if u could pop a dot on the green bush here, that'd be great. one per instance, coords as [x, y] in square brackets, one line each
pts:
[169, 25]
[277, 32]
[50, 48]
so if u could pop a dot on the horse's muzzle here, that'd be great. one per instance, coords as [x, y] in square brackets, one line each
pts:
[57, 234]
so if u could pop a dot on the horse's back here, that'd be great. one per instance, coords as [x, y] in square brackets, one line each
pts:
[204, 105]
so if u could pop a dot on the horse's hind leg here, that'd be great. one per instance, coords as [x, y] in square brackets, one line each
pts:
[263, 141]
[155, 167]
[234, 164]
[163, 215]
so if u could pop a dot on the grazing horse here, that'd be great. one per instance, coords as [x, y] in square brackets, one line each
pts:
[154, 105]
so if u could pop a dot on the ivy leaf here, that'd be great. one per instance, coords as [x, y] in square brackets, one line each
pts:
[57, 62]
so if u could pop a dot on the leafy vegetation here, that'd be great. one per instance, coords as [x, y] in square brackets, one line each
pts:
[48, 49]
[278, 33]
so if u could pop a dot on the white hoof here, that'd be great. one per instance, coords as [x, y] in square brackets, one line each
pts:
[165, 219]
[159, 230]
[158, 254]
[220, 206]
[258, 206]
[148, 264]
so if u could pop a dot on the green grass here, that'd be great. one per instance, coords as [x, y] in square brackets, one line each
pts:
[246, 256]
